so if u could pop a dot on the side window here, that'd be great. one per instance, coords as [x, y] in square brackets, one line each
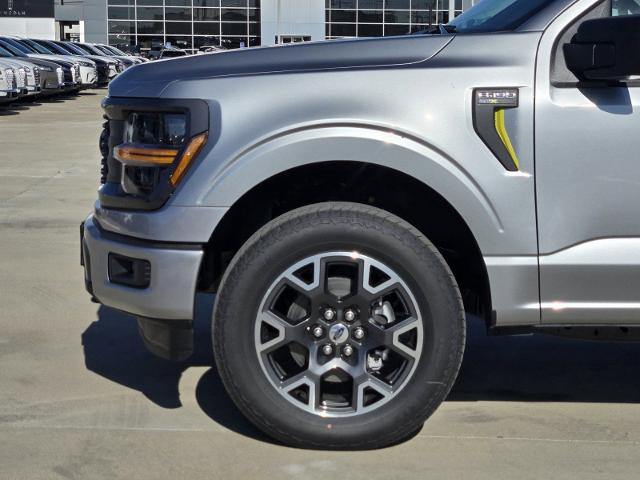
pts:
[625, 7]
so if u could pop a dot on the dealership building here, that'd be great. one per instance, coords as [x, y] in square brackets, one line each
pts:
[191, 24]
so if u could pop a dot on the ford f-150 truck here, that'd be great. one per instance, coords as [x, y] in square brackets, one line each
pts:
[351, 202]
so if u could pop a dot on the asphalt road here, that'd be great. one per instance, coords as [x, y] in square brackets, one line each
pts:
[80, 398]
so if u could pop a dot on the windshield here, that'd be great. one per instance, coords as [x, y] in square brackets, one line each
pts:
[11, 48]
[37, 47]
[496, 15]
[114, 49]
[84, 48]
[4, 53]
[16, 45]
[92, 48]
[72, 49]
[103, 50]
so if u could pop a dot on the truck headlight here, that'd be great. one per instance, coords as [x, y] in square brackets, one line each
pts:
[85, 64]
[155, 146]
[156, 128]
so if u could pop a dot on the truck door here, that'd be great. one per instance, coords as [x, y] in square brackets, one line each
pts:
[587, 140]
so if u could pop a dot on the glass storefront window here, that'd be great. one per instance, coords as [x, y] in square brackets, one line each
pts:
[209, 41]
[177, 13]
[122, 13]
[121, 27]
[187, 24]
[209, 28]
[183, 42]
[150, 13]
[122, 41]
[233, 15]
[206, 14]
[388, 17]
[178, 28]
[149, 28]
[206, 3]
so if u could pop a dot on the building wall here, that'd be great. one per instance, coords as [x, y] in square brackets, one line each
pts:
[28, 27]
[293, 18]
[91, 15]
[95, 25]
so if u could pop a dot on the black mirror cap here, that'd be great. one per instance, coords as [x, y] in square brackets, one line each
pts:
[605, 49]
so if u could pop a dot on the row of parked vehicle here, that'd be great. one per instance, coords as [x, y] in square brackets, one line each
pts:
[30, 67]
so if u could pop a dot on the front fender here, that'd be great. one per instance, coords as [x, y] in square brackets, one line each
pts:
[353, 142]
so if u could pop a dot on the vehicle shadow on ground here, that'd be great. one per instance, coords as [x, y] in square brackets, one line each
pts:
[113, 349]
[24, 104]
[525, 368]
[542, 368]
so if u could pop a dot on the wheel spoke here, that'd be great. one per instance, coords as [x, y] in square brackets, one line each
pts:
[390, 337]
[296, 281]
[307, 379]
[368, 381]
[404, 327]
[286, 332]
[377, 289]
[325, 308]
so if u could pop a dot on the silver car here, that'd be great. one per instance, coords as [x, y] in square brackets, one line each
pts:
[9, 90]
[352, 202]
[28, 75]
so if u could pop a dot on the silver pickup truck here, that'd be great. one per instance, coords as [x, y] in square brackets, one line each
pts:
[352, 202]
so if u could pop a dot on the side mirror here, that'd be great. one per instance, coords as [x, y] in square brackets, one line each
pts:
[605, 49]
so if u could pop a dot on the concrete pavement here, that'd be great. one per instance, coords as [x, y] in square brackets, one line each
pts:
[80, 398]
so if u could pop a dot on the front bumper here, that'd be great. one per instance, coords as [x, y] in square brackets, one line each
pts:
[173, 273]
[88, 76]
[9, 94]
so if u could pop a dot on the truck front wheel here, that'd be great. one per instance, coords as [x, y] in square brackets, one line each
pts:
[338, 325]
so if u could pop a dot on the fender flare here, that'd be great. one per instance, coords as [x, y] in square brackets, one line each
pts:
[357, 143]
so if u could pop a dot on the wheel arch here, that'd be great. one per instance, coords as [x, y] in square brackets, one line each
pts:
[362, 182]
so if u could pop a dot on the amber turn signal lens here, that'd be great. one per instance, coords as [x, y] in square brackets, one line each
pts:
[192, 150]
[142, 156]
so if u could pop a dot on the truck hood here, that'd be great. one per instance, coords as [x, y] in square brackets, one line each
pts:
[150, 79]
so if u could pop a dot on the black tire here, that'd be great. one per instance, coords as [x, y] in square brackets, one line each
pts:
[328, 227]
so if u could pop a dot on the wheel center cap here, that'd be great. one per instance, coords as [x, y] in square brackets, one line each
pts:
[338, 333]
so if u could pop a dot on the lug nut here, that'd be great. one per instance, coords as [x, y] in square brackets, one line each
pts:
[329, 314]
[327, 349]
[349, 315]
[317, 331]
[347, 350]
[358, 333]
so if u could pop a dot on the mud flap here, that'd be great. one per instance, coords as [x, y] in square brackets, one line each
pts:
[168, 339]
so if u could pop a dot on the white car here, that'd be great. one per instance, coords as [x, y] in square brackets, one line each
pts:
[88, 74]
[30, 73]
[9, 89]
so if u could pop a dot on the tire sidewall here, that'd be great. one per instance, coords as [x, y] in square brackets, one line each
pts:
[276, 248]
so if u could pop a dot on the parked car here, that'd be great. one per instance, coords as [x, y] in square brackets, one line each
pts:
[161, 52]
[30, 72]
[51, 76]
[9, 90]
[127, 60]
[106, 68]
[82, 75]
[68, 72]
[209, 49]
[110, 49]
[351, 202]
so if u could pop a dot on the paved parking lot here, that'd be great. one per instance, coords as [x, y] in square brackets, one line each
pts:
[80, 398]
